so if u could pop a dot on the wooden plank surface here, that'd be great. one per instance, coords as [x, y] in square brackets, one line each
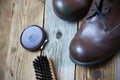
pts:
[60, 33]
[5, 25]
[117, 66]
[19, 61]
[16, 62]
[99, 72]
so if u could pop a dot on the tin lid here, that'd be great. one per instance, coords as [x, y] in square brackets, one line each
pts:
[33, 38]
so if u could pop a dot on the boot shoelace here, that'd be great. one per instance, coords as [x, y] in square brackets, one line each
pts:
[101, 15]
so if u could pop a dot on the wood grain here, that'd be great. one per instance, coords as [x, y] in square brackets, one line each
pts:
[6, 7]
[117, 66]
[19, 61]
[60, 33]
[99, 72]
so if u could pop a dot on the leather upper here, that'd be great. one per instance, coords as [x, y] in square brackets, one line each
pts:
[92, 42]
[71, 8]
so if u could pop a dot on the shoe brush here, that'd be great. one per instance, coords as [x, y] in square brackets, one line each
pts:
[43, 68]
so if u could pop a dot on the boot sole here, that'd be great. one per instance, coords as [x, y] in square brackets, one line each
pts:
[90, 63]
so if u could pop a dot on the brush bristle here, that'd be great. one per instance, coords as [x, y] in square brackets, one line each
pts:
[43, 68]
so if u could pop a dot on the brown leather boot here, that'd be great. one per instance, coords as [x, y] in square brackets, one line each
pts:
[99, 35]
[71, 9]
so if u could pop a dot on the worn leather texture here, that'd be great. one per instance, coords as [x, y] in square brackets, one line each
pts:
[99, 34]
[71, 9]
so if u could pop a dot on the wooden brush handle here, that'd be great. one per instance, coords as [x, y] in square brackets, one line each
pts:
[52, 70]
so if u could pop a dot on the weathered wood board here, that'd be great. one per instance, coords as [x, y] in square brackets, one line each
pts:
[5, 25]
[60, 33]
[19, 61]
[117, 66]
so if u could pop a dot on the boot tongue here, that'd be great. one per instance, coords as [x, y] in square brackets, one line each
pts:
[97, 11]
[101, 9]
[112, 20]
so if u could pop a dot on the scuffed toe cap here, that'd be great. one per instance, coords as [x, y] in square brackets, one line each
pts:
[85, 53]
[78, 52]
